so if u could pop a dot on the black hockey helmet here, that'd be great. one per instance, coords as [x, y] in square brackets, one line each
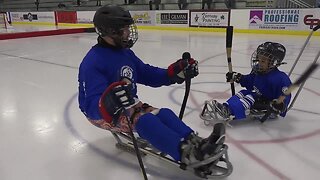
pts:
[274, 52]
[110, 20]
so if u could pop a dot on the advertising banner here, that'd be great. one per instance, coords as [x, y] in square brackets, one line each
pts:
[172, 18]
[85, 17]
[283, 19]
[66, 16]
[310, 18]
[47, 17]
[217, 18]
[143, 18]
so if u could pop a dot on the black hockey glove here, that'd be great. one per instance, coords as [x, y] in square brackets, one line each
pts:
[114, 99]
[233, 76]
[182, 69]
[277, 108]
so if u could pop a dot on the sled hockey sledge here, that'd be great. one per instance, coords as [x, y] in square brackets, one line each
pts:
[260, 110]
[210, 116]
[220, 166]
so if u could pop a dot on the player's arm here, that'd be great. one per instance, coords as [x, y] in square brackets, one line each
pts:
[279, 105]
[175, 73]
[245, 80]
[147, 74]
[91, 87]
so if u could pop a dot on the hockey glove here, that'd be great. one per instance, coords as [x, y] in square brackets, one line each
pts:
[182, 69]
[233, 76]
[114, 100]
[277, 108]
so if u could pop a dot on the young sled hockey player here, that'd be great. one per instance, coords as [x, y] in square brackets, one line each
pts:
[263, 86]
[107, 79]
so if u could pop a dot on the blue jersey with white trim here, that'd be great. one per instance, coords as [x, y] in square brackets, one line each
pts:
[104, 65]
[268, 86]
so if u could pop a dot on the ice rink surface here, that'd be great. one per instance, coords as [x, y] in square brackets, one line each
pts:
[44, 136]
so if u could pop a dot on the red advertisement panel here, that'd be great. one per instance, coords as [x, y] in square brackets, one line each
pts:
[66, 16]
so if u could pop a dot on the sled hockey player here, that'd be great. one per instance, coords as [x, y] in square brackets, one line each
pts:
[263, 86]
[107, 79]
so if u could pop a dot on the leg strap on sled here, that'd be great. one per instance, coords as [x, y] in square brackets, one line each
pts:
[218, 165]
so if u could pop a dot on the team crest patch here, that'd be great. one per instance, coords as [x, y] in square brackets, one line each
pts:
[127, 71]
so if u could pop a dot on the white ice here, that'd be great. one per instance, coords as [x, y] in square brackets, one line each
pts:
[44, 136]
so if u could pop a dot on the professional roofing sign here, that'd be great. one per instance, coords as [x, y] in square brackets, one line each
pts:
[274, 19]
[285, 19]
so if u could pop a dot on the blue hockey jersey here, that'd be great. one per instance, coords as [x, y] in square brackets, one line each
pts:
[267, 86]
[104, 65]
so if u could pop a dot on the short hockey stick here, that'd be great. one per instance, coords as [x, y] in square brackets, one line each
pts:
[185, 56]
[135, 145]
[306, 74]
[134, 141]
[229, 48]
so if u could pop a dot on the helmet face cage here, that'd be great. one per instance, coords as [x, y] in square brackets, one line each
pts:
[118, 38]
[133, 36]
[259, 55]
[272, 52]
[112, 21]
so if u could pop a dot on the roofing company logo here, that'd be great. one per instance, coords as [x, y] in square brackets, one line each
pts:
[256, 17]
[30, 17]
